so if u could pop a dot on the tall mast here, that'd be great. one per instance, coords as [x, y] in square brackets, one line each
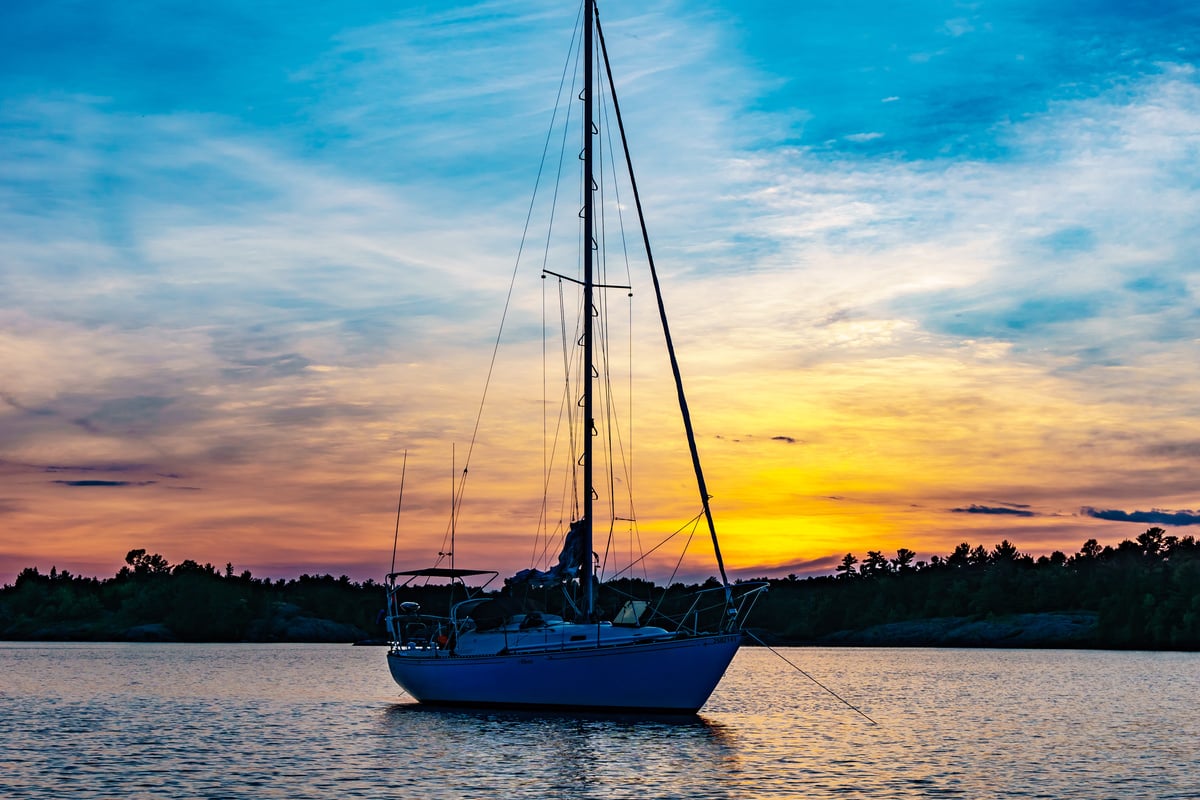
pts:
[585, 574]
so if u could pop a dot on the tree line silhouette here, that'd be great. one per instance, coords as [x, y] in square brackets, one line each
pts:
[151, 599]
[1144, 593]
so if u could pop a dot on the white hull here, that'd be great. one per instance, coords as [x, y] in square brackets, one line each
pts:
[675, 676]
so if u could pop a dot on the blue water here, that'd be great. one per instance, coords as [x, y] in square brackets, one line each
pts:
[325, 721]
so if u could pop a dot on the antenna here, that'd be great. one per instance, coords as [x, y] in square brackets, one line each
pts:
[400, 502]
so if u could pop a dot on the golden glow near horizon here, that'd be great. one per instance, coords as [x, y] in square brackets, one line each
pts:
[222, 324]
[805, 465]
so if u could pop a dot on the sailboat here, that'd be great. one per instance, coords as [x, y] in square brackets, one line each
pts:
[489, 651]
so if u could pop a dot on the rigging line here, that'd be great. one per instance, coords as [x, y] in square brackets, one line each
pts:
[568, 398]
[544, 558]
[565, 409]
[683, 552]
[853, 708]
[650, 552]
[612, 156]
[626, 459]
[545, 270]
[603, 324]
[635, 533]
[396, 536]
[615, 450]
[615, 445]
[662, 313]
[694, 521]
[562, 147]
[520, 251]
[448, 534]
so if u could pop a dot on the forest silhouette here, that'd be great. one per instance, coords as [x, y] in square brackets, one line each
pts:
[1142, 594]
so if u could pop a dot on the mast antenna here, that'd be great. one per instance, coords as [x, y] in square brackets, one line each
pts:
[400, 502]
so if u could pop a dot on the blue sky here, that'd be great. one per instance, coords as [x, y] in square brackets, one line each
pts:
[252, 251]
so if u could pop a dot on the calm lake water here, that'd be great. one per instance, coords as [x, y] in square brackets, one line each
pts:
[325, 721]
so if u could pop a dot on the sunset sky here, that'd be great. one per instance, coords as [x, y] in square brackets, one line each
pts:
[933, 269]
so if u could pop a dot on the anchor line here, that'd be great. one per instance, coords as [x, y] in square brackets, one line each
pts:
[853, 708]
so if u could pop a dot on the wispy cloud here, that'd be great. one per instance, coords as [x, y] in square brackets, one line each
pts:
[974, 508]
[262, 272]
[93, 483]
[1155, 517]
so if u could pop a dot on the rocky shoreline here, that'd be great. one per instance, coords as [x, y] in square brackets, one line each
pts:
[286, 623]
[1064, 629]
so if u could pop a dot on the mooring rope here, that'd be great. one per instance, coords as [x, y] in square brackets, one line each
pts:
[853, 708]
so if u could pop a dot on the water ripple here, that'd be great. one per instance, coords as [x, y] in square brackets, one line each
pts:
[312, 721]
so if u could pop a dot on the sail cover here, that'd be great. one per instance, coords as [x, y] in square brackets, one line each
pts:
[569, 561]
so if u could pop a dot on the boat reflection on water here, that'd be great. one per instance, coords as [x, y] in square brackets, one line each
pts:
[509, 750]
